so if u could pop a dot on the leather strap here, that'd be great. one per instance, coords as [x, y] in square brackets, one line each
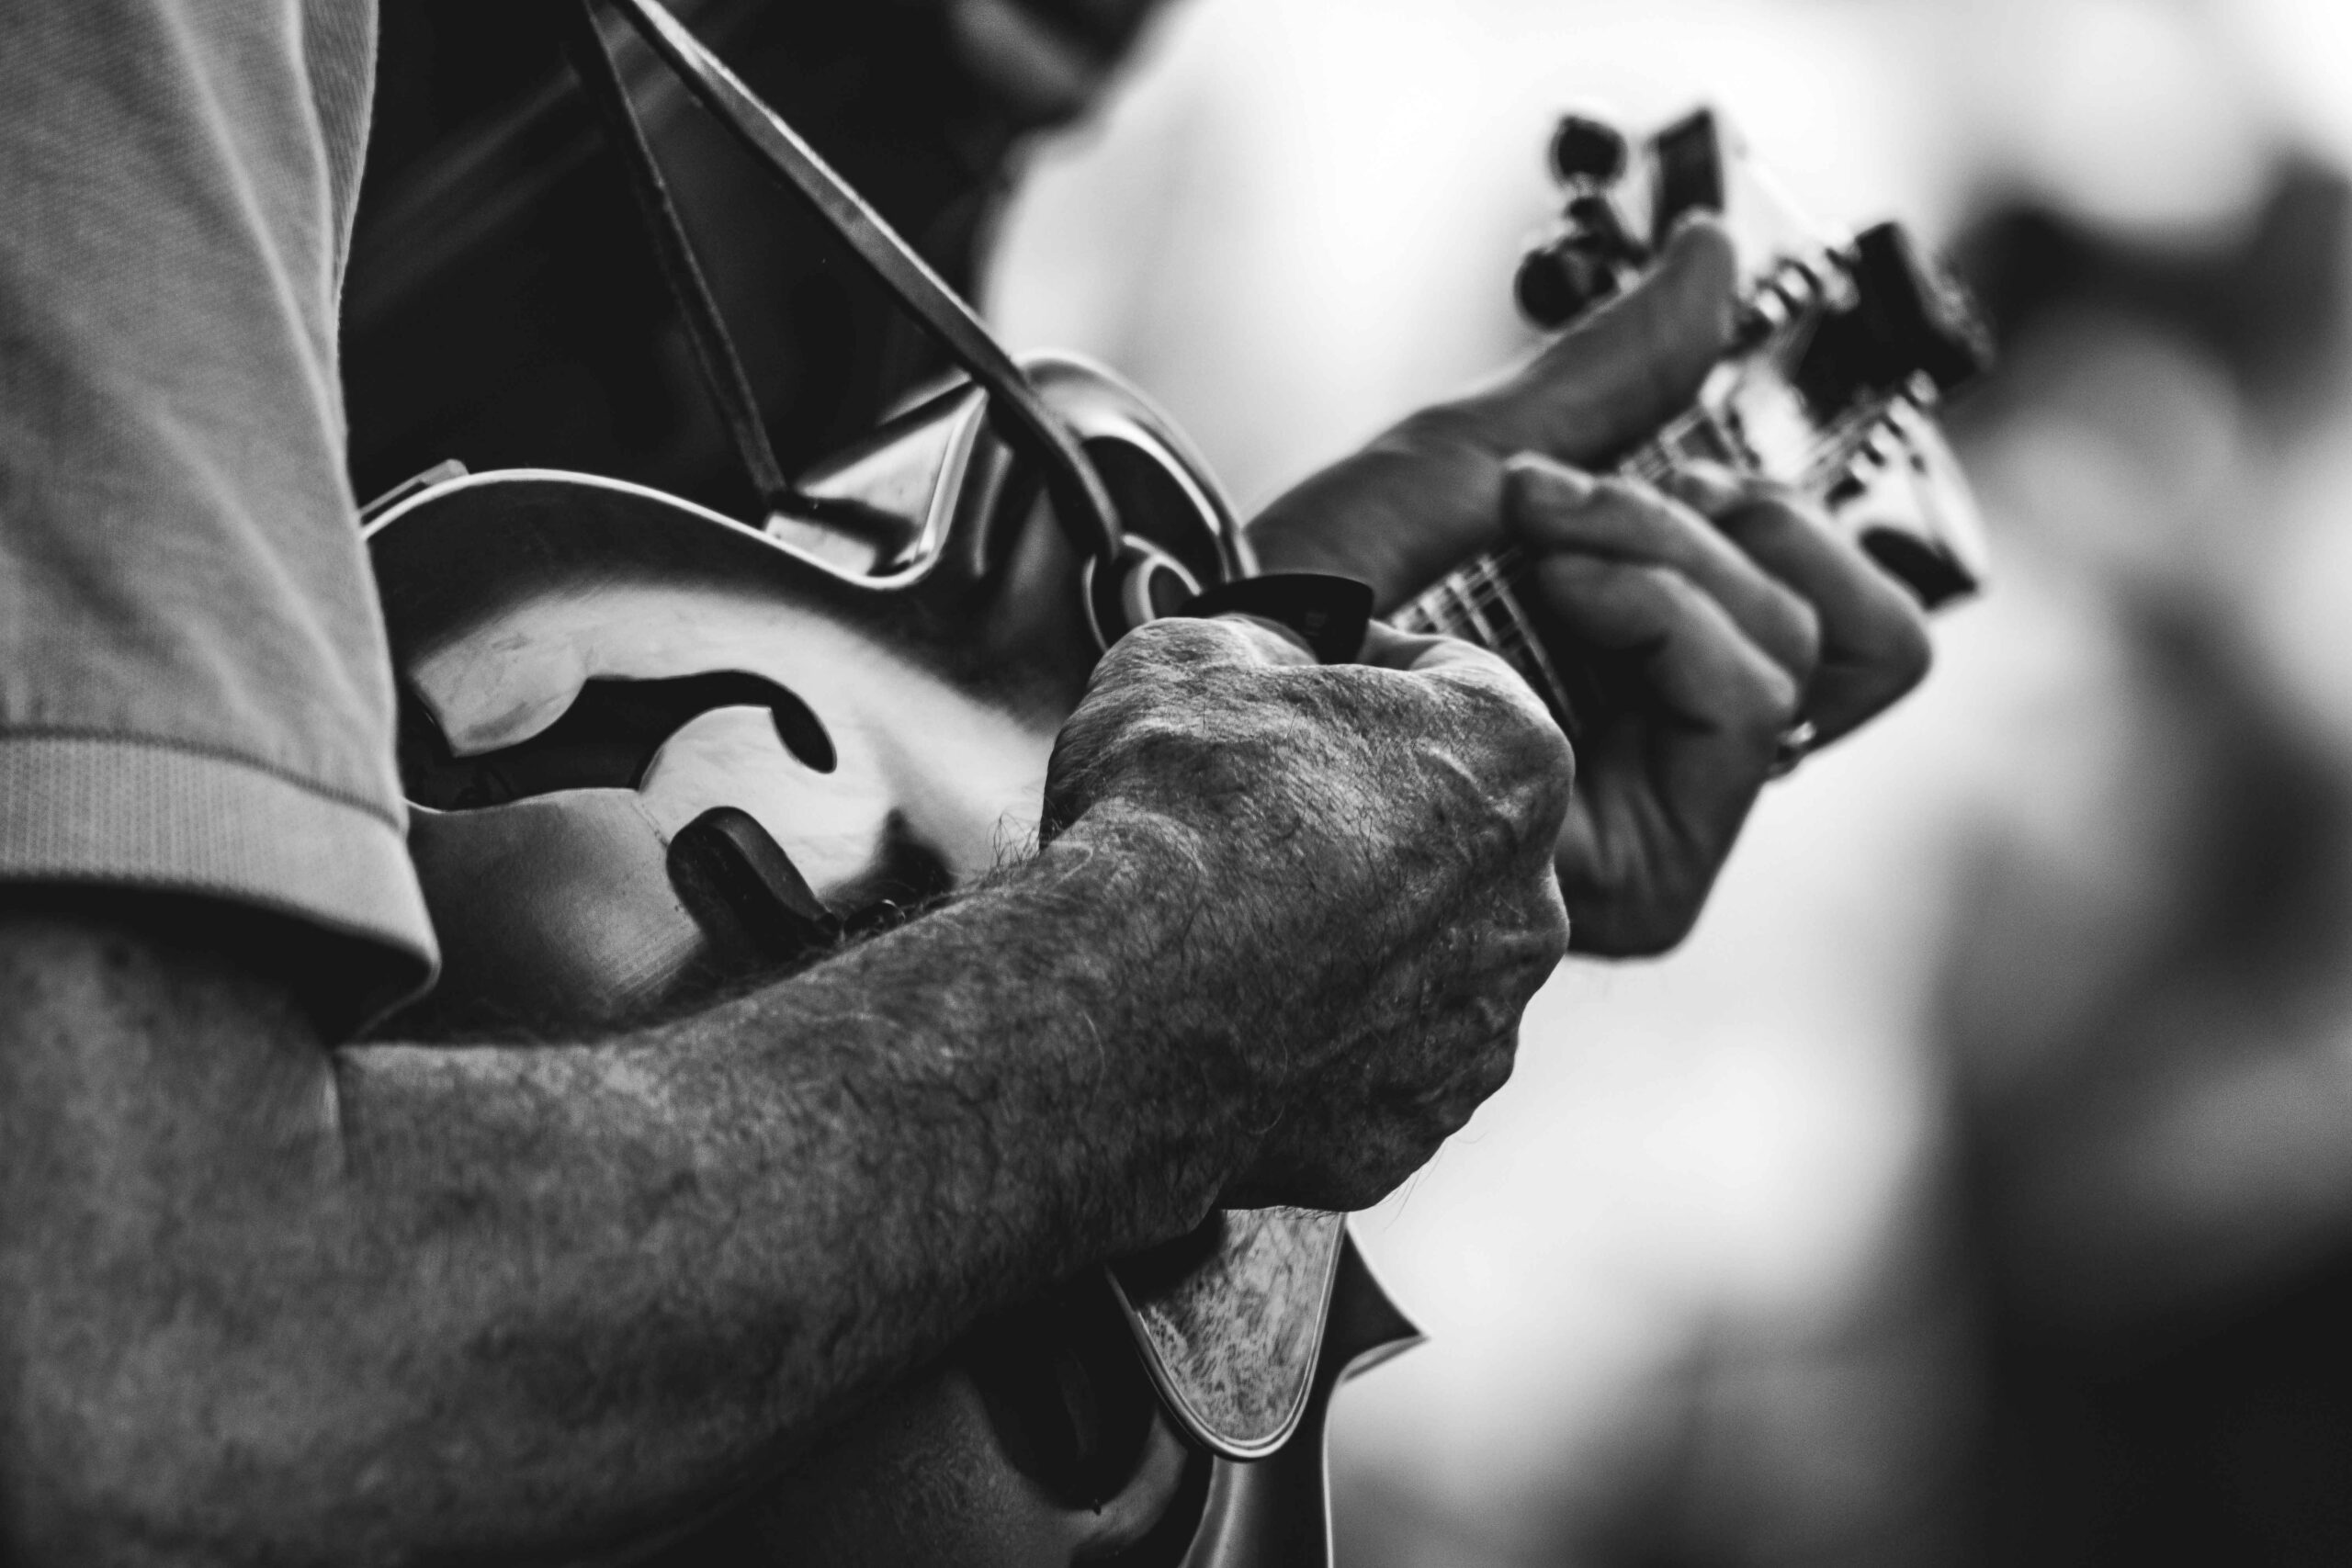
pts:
[722, 368]
[1079, 499]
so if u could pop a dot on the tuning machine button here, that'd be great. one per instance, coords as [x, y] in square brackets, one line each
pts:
[1560, 281]
[1919, 319]
[1589, 151]
[1692, 171]
[1594, 252]
[1597, 219]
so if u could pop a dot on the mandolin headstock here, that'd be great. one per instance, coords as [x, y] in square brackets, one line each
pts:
[1844, 349]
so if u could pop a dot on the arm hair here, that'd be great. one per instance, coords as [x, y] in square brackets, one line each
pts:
[265, 1299]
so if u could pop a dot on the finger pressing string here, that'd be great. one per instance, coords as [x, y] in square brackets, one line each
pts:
[1632, 365]
[1874, 644]
[1555, 510]
[1699, 667]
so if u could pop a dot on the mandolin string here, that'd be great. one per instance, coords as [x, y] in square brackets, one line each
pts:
[1482, 587]
[1835, 446]
[1518, 643]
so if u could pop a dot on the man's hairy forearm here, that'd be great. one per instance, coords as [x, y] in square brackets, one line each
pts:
[263, 1299]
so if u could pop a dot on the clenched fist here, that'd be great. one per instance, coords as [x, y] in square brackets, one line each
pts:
[1367, 853]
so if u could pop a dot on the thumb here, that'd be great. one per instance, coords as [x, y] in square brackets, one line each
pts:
[1631, 366]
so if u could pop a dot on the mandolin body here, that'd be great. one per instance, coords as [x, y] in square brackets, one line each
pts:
[588, 666]
[653, 753]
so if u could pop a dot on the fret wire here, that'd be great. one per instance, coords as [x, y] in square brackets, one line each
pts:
[1436, 609]
[1419, 608]
[1842, 443]
[1478, 603]
[1477, 617]
[1411, 617]
[1483, 585]
[1504, 633]
[1472, 577]
[1465, 616]
[1827, 450]
[1445, 612]
[1548, 683]
[1487, 581]
[1478, 573]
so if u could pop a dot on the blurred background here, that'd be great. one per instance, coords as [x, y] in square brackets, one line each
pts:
[1977, 1185]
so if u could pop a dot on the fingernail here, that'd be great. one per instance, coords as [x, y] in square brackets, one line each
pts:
[1569, 486]
[1692, 217]
[1706, 486]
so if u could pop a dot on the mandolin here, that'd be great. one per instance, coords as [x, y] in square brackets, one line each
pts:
[652, 751]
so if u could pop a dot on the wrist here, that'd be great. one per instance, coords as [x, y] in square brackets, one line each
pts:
[1172, 988]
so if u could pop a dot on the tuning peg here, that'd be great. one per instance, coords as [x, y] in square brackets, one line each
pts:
[1920, 320]
[1599, 222]
[1587, 152]
[1692, 162]
[1562, 280]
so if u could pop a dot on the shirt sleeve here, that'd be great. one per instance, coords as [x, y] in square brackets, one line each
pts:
[194, 691]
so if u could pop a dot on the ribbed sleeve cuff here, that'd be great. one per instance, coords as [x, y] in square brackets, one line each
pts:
[137, 813]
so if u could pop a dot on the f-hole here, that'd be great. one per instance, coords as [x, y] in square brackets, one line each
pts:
[606, 739]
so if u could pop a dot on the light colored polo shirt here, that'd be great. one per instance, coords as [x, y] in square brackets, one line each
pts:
[195, 692]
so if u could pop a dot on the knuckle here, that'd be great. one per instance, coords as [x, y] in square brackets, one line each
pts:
[1548, 927]
[1207, 738]
[1664, 585]
[1098, 727]
[1804, 634]
[1516, 717]
[1907, 652]
[1546, 771]
[1494, 733]
[1628, 496]
[1151, 648]
[1492, 1069]
[1479, 696]
[1771, 517]
[1133, 662]
[1780, 698]
[1767, 701]
[1442, 428]
[1375, 1164]
[1471, 681]
[1477, 1079]
[1556, 785]
[1666, 601]
[1424, 1115]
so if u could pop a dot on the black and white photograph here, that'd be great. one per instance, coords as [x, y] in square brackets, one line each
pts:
[1176, 784]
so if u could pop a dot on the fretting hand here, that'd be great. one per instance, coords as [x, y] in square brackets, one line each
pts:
[1740, 613]
[1750, 613]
